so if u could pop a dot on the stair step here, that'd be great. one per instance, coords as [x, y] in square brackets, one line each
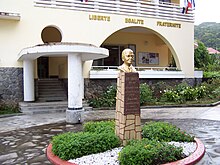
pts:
[46, 107]
[50, 90]
[51, 99]
[53, 95]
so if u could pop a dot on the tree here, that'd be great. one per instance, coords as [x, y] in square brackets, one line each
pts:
[201, 56]
[209, 34]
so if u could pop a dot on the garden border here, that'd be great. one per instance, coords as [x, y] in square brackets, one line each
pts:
[190, 160]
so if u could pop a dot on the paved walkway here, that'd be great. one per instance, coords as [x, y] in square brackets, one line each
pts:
[23, 138]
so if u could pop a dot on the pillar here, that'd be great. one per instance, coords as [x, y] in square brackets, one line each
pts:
[74, 113]
[28, 70]
[128, 117]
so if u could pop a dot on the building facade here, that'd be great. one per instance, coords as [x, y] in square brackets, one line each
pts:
[37, 38]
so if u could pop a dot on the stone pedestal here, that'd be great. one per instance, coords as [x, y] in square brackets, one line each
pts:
[128, 121]
[74, 116]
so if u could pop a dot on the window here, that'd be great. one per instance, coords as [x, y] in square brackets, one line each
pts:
[51, 34]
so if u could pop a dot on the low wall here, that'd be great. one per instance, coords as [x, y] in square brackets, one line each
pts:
[95, 87]
[11, 85]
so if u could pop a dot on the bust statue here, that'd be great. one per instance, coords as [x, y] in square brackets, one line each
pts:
[127, 57]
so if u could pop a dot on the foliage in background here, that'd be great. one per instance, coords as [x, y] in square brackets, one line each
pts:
[211, 74]
[161, 93]
[201, 56]
[146, 95]
[213, 88]
[108, 98]
[165, 132]
[148, 152]
[8, 109]
[208, 33]
[182, 93]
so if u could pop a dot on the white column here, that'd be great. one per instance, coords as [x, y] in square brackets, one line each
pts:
[82, 81]
[74, 81]
[28, 70]
[74, 113]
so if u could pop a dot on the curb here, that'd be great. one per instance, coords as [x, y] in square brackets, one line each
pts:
[11, 115]
[182, 106]
[55, 159]
[190, 160]
[166, 106]
[194, 157]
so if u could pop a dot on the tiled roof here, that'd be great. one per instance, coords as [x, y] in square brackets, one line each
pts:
[213, 51]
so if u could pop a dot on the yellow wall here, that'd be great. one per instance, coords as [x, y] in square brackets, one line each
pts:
[58, 66]
[175, 1]
[144, 43]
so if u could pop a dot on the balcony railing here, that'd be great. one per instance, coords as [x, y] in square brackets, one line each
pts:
[10, 16]
[140, 8]
[108, 72]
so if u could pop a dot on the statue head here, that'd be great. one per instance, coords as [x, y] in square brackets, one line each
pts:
[127, 56]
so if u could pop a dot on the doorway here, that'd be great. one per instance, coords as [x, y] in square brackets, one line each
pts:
[114, 58]
[43, 67]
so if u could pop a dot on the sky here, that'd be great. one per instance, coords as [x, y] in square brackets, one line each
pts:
[207, 11]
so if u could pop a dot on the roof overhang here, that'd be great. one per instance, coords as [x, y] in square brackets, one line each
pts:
[87, 51]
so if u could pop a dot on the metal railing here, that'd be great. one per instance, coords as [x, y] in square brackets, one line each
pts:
[102, 68]
[141, 8]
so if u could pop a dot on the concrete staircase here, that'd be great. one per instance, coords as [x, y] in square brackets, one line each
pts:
[50, 90]
[47, 107]
[52, 98]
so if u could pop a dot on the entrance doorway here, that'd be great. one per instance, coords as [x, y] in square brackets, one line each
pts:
[43, 67]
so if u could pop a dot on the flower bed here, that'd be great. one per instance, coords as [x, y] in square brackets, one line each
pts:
[190, 160]
[99, 137]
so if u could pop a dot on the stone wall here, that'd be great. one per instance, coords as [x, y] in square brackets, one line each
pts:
[95, 87]
[11, 85]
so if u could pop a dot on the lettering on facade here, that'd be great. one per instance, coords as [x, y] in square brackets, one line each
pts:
[168, 24]
[134, 21]
[99, 17]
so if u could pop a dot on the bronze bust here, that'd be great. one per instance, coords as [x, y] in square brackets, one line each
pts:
[127, 57]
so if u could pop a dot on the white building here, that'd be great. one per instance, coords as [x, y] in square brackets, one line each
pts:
[41, 39]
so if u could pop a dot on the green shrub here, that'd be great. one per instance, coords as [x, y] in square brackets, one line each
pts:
[201, 91]
[183, 92]
[8, 109]
[73, 145]
[149, 152]
[165, 132]
[212, 74]
[99, 127]
[99, 137]
[171, 96]
[107, 99]
[212, 88]
[146, 95]
[159, 87]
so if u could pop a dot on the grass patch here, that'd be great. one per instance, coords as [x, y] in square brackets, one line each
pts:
[8, 109]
